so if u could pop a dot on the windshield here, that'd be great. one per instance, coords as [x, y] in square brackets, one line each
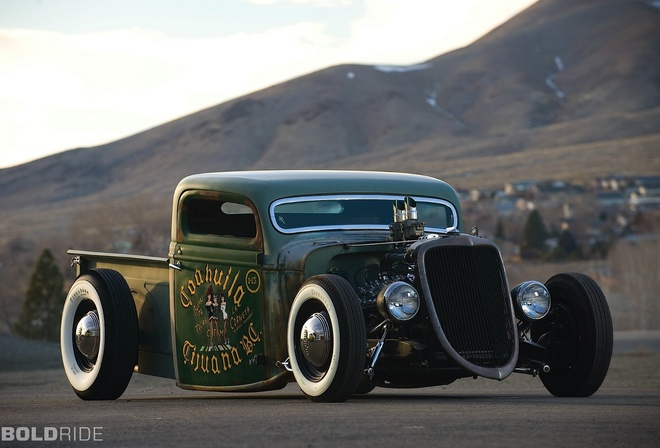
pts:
[353, 212]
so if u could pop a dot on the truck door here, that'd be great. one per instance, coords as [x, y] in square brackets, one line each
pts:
[217, 294]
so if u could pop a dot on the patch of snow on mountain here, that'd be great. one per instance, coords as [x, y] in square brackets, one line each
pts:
[430, 99]
[350, 75]
[550, 79]
[402, 68]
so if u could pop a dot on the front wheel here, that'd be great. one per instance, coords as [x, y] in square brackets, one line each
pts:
[99, 335]
[577, 333]
[326, 339]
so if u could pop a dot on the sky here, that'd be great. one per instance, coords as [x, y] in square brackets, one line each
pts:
[81, 73]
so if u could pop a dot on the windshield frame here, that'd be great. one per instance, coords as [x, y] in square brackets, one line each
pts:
[345, 197]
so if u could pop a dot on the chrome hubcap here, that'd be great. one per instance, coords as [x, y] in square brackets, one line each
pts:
[316, 339]
[88, 335]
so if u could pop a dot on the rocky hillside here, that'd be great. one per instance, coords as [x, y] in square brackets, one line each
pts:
[565, 90]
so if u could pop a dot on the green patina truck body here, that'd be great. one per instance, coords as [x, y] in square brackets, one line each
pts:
[341, 281]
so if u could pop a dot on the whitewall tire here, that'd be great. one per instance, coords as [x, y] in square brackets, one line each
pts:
[326, 339]
[99, 335]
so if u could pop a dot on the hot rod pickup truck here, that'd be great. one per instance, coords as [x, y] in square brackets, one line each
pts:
[341, 281]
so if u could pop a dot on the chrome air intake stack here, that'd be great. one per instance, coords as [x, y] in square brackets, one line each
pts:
[406, 225]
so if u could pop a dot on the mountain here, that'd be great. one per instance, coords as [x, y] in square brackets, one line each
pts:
[565, 90]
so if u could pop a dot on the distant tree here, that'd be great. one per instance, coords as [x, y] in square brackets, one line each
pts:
[598, 248]
[42, 308]
[567, 246]
[499, 230]
[535, 235]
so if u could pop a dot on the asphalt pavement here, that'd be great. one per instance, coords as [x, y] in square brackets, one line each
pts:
[38, 405]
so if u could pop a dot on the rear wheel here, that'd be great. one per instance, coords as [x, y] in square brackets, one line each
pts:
[577, 333]
[99, 335]
[326, 339]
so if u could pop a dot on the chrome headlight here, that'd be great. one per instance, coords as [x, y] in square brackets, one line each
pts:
[398, 301]
[531, 300]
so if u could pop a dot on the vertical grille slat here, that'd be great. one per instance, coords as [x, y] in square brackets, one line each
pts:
[469, 294]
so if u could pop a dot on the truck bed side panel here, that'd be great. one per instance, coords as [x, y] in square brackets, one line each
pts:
[148, 280]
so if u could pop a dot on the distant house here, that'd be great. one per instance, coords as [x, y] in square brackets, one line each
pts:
[610, 199]
[505, 206]
[648, 182]
[645, 197]
[614, 183]
[522, 188]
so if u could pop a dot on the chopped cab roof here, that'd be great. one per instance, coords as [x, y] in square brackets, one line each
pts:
[263, 187]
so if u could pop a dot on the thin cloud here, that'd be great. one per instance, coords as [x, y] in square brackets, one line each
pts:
[412, 29]
[63, 90]
[134, 79]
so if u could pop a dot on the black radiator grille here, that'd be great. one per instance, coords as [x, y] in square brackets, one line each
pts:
[468, 289]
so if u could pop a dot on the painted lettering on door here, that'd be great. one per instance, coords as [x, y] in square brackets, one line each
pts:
[218, 326]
